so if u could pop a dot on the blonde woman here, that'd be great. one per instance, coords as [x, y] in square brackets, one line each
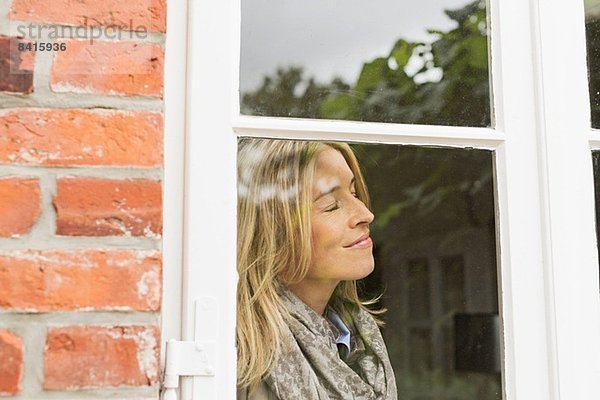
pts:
[303, 241]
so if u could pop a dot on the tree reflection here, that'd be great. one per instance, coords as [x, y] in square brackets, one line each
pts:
[449, 86]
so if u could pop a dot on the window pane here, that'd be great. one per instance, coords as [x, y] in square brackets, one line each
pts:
[420, 62]
[435, 258]
[434, 251]
[592, 26]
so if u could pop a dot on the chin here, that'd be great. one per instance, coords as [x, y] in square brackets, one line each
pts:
[364, 270]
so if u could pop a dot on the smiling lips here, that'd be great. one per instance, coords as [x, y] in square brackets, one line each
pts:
[363, 242]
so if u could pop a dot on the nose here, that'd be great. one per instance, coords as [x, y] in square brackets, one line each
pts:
[361, 215]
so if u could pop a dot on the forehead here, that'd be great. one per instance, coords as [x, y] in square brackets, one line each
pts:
[331, 169]
[331, 161]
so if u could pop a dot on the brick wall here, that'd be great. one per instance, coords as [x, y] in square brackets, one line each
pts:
[81, 139]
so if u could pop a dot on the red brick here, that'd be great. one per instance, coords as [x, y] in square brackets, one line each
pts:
[56, 280]
[106, 207]
[128, 15]
[11, 363]
[19, 205]
[100, 357]
[125, 68]
[16, 67]
[78, 137]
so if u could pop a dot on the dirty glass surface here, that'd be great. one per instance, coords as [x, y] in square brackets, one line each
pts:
[420, 62]
[435, 268]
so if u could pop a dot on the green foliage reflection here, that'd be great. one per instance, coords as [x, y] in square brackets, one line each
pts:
[449, 87]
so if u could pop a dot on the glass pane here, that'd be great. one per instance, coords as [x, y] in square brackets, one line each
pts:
[420, 62]
[435, 243]
[434, 252]
[592, 27]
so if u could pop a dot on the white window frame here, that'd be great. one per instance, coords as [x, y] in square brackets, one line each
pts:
[567, 173]
[549, 297]
[173, 174]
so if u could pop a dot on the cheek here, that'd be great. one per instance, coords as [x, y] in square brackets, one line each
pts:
[325, 239]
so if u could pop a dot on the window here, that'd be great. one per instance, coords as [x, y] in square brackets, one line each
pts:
[424, 63]
[592, 28]
[434, 237]
[541, 141]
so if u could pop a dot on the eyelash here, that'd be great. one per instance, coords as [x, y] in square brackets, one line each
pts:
[333, 207]
[336, 205]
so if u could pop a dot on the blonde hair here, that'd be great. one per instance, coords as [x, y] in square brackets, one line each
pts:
[274, 244]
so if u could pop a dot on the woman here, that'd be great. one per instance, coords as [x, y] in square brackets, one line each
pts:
[303, 241]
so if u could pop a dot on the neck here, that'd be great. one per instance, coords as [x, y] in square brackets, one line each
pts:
[314, 293]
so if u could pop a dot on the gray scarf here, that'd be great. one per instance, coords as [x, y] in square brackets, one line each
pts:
[309, 367]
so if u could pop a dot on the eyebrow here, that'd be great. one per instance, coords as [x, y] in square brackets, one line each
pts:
[333, 189]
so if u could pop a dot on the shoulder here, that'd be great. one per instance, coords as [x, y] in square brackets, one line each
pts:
[262, 392]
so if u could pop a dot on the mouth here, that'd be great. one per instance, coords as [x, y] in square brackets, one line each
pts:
[362, 242]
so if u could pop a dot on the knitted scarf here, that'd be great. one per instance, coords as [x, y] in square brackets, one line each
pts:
[309, 367]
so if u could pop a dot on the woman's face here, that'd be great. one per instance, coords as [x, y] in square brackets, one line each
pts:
[342, 248]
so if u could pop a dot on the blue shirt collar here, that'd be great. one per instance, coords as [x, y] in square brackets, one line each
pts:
[344, 336]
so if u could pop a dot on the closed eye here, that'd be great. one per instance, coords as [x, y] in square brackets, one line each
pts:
[333, 207]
